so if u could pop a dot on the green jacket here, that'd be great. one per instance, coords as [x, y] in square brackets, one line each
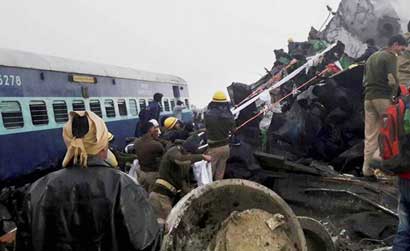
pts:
[404, 67]
[379, 67]
[175, 167]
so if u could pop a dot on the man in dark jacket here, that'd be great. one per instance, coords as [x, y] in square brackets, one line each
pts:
[370, 50]
[87, 205]
[154, 107]
[220, 124]
[174, 130]
[153, 111]
[149, 151]
[174, 175]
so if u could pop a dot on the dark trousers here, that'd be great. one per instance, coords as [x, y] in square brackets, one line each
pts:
[402, 240]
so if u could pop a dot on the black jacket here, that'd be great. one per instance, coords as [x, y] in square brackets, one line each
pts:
[93, 208]
[369, 51]
[219, 123]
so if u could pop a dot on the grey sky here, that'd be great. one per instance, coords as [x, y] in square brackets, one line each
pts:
[208, 43]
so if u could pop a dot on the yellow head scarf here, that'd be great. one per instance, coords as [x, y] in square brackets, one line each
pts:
[95, 140]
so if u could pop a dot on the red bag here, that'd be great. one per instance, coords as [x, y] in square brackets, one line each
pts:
[394, 143]
[391, 129]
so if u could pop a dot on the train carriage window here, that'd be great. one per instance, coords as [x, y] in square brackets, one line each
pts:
[150, 100]
[109, 108]
[11, 114]
[133, 107]
[122, 107]
[60, 111]
[78, 105]
[187, 103]
[166, 105]
[38, 112]
[95, 106]
[172, 104]
[143, 104]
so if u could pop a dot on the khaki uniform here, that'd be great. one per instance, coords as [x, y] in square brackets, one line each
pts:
[147, 179]
[162, 204]
[149, 152]
[219, 157]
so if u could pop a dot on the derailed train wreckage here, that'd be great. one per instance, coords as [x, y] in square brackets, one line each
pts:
[312, 131]
[312, 148]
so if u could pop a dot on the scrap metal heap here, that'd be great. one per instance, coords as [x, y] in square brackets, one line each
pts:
[310, 150]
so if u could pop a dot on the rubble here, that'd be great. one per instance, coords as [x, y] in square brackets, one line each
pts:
[359, 20]
[312, 151]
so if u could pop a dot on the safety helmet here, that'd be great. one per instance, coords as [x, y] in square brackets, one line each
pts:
[220, 97]
[170, 122]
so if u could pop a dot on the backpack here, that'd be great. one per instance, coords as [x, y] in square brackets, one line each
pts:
[394, 142]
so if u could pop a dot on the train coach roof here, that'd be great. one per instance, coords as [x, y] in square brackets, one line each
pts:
[14, 58]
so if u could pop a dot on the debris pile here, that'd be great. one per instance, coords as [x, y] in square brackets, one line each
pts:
[312, 137]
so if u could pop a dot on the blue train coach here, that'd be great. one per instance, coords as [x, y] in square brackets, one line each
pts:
[37, 92]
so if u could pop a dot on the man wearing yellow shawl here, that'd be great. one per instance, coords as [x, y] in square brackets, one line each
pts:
[87, 205]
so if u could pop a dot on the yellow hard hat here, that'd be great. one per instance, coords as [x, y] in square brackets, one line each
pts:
[219, 96]
[170, 122]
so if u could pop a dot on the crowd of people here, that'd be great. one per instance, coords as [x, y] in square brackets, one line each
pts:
[90, 205]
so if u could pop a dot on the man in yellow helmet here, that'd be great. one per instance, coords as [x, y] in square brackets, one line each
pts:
[219, 123]
[174, 130]
[87, 205]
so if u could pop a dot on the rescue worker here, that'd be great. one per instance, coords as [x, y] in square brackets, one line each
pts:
[87, 205]
[174, 175]
[149, 151]
[370, 50]
[219, 123]
[404, 63]
[402, 239]
[174, 130]
[380, 85]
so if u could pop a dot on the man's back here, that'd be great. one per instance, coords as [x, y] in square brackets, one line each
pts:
[93, 208]
[219, 122]
[149, 152]
[378, 68]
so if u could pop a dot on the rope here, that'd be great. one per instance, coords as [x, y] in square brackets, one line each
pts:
[273, 79]
[266, 108]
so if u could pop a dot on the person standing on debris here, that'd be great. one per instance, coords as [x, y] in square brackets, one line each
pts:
[87, 205]
[380, 85]
[149, 151]
[404, 62]
[219, 123]
[175, 175]
[178, 109]
[370, 50]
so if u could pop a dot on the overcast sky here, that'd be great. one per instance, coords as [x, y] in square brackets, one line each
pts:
[208, 43]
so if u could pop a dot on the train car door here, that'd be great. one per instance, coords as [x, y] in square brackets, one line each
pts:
[177, 93]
